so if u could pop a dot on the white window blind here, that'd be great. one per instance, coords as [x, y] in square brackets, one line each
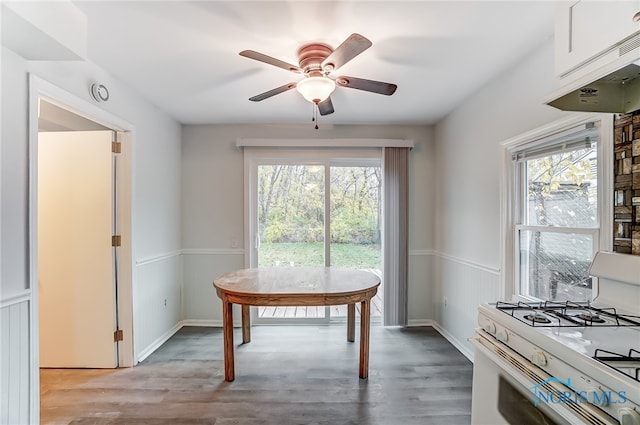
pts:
[584, 136]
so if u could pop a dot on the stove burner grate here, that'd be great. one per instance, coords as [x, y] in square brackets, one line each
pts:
[566, 314]
[590, 317]
[627, 364]
[537, 318]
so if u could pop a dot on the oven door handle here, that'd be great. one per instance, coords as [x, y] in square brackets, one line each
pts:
[530, 376]
[518, 366]
[509, 360]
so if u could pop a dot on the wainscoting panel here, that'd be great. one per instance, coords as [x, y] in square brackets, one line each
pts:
[157, 301]
[14, 361]
[460, 287]
[201, 304]
[420, 296]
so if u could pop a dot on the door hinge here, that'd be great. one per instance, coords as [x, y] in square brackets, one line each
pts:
[118, 335]
[116, 240]
[116, 147]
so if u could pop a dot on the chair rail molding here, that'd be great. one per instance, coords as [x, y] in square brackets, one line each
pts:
[488, 269]
[16, 298]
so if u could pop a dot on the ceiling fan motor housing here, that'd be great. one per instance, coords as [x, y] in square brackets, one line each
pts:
[310, 57]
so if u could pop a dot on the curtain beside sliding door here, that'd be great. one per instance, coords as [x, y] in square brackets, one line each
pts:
[395, 242]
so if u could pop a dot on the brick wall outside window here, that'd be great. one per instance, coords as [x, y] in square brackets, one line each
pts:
[626, 221]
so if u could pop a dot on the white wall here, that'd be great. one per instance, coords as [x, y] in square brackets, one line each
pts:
[156, 195]
[213, 207]
[468, 189]
[188, 201]
[14, 181]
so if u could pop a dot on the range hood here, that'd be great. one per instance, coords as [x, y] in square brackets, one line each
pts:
[617, 92]
[608, 83]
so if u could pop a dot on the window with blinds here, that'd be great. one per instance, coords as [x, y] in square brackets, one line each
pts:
[557, 223]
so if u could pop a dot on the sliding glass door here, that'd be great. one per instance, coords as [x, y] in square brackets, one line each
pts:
[291, 222]
[315, 213]
[355, 224]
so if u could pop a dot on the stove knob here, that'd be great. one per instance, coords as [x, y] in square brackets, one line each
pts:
[490, 327]
[598, 397]
[629, 416]
[539, 359]
[502, 335]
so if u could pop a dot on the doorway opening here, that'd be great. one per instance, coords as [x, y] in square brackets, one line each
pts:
[72, 141]
[77, 240]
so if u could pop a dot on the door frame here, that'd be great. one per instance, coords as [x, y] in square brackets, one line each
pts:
[42, 89]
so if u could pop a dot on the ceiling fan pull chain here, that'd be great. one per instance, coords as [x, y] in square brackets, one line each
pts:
[315, 114]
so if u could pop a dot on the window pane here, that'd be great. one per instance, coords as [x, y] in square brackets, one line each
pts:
[291, 215]
[562, 189]
[355, 226]
[355, 217]
[291, 226]
[555, 266]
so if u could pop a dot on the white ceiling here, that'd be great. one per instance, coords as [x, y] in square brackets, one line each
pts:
[183, 56]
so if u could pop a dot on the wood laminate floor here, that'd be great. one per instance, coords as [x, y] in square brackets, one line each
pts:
[286, 375]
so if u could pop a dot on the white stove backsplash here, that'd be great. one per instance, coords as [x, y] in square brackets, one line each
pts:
[622, 296]
[619, 277]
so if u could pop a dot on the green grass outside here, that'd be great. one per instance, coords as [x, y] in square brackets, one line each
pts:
[312, 254]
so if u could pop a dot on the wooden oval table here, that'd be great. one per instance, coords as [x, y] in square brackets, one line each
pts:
[296, 286]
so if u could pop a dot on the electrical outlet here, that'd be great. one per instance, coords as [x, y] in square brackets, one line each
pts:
[235, 243]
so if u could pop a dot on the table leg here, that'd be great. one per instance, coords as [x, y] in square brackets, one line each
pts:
[227, 326]
[246, 324]
[365, 321]
[351, 322]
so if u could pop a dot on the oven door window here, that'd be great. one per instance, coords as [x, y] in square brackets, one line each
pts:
[517, 409]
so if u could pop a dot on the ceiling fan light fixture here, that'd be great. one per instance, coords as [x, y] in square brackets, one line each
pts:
[316, 89]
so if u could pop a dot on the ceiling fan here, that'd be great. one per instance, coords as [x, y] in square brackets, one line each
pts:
[316, 62]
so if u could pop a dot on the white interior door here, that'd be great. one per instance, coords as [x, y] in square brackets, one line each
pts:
[77, 301]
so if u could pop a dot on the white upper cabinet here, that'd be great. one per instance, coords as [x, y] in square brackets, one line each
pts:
[586, 29]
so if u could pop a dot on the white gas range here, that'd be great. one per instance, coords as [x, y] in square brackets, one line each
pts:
[558, 362]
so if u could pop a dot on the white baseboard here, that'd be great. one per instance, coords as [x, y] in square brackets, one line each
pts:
[158, 342]
[461, 347]
[420, 322]
[165, 337]
[203, 323]
[218, 324]
[428, 322]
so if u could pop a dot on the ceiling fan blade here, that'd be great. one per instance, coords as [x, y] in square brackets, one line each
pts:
[349, 49]
[325, 107]
[367, 85]
[272, 92]
[252, 54]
